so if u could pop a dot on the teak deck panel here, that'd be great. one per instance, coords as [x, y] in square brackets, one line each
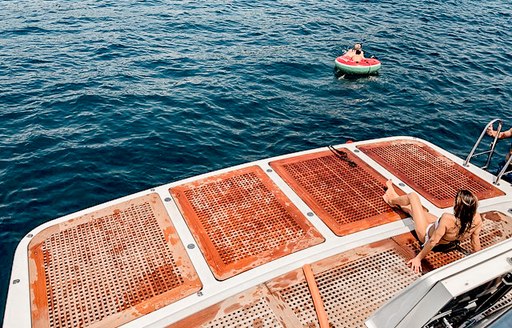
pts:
[348, 198]
[241, 219]
[432, 175]
[108, 267]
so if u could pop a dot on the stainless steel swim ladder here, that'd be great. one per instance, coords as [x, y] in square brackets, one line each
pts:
[489, 151]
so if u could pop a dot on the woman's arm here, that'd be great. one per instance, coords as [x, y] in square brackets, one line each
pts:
[502, 135]
[350, 53]
[416, 261]
[475, 237]
[433, 241]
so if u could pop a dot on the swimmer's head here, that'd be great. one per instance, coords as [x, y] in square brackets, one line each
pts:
[357, 46]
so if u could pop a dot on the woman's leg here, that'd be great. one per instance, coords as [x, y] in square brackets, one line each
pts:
[411, 204]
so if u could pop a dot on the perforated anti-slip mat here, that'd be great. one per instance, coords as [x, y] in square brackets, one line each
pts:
[352, 285]
[256, 307]
[432, 175]
[241, 219]
[108, 267]
[341, 189]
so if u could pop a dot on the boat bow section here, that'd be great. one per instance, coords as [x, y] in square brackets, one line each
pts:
[227, 248]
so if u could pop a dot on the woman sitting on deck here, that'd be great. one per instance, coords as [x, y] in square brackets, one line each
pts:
[464, 222]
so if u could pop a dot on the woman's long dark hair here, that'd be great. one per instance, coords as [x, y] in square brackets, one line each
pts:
[464, 209]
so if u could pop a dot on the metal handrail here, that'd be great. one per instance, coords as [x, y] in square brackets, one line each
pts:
[504, 170]
[490, 151]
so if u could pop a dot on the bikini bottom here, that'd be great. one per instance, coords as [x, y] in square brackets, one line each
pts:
[427, 237]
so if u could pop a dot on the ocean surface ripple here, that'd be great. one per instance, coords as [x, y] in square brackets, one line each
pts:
[100, 99]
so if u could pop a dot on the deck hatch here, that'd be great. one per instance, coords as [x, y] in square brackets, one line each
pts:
[241, 219]
[347, 197]
[352, 285]
[108, 267]
[257, 314]
[431, 174]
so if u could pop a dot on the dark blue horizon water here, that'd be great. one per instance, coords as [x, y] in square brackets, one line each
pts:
[101, 99]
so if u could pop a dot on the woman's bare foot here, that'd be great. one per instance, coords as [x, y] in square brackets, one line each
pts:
[390, 194]
[391, 198]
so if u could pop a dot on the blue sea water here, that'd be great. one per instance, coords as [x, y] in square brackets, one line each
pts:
[100, 99]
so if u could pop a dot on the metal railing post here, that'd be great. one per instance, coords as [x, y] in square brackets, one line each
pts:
[491, 147]
[503, 170]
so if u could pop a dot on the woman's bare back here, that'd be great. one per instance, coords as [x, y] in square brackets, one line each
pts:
[452, 228]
